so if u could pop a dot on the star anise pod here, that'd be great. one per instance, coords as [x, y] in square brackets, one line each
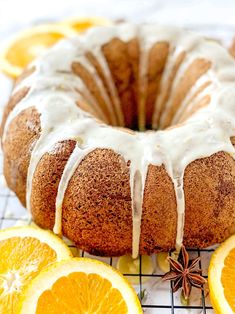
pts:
[184, 273]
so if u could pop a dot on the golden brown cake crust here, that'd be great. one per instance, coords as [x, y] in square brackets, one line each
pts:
[89, 80]
[97, 203]
[209, 195]
[21, 137]
[14, 100]
[116, 53]
[45, 183]
[96, 211]
[157, 60]
[192, 74]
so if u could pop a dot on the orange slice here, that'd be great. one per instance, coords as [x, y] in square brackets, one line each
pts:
[80, 285]
[221, 277]
[24, 252]
[29, 44]
[81, 24]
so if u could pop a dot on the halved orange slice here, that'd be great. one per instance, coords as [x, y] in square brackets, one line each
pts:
[80, 285]
[24, 252]
[221, 277]
[81, 24]
[29, 44]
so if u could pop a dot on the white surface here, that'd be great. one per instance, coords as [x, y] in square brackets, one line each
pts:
[14, 14]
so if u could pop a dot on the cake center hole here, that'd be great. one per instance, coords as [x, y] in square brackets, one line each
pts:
[126, 97]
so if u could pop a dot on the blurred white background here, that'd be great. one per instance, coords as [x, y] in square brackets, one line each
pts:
[15, 14]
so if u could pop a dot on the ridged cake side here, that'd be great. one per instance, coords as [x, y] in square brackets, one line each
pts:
[97, 205]
[105, 187]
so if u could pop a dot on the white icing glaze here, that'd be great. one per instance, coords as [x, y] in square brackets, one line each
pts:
[187, 102]
[206, 132]
[103, 137]
[172, 56]
[92, 71]
[76, 157]
[143, 83]
[180, 200]
[110, 83]
[94, 42]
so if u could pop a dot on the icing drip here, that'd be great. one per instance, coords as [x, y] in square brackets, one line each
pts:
[82, 60]
[76, 157]
[143, 83]
[180, 203]
[138, 171]
[206, 132]
[165, 85]
[137, 203]
[137, 197]
[192, 98]
[54, 129]
[116, 101]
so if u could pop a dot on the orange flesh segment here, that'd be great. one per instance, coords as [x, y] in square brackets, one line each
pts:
[27, 49]
[81, 293]
[81, 26]
[21, 259]
[228, 279]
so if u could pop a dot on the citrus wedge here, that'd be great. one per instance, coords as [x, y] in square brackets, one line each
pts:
[80, 285]
[29, 44]
[81, 24]
[24, 252]
[127, 265]
[221, 277]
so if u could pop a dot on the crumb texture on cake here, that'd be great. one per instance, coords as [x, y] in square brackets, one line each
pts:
[122, 140]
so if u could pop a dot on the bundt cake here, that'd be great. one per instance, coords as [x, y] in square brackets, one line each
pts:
[121, 139]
